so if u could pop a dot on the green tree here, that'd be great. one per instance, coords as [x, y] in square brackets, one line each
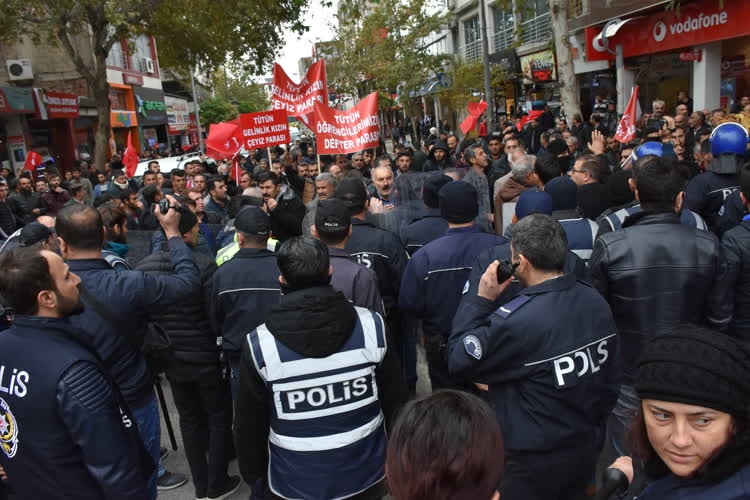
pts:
[236, 86]
[215, 110]
[467, 83]
[190, 34]
[386, 48]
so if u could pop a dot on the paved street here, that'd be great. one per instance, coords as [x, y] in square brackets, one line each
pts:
[176, 461]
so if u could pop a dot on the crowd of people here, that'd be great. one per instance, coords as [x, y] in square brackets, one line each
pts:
[581, 302]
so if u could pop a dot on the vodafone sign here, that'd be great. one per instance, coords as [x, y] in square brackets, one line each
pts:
[698, 23]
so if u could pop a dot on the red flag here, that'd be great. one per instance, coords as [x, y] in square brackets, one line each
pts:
[222, 142]
[32, 160]
[475, 111]
[526, 119]
[130, 158]
[626, 127]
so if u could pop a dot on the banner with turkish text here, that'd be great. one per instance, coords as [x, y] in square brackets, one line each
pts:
[626, 128]
[264, 129]
[338, 132]
[299, 99]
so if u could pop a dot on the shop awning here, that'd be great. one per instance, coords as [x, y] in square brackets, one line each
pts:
[17, 100]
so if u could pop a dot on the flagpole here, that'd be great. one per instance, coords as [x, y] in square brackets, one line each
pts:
[197, 111]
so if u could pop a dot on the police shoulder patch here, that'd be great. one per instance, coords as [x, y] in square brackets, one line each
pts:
[507, 309]
[473, 346]
[8, 430]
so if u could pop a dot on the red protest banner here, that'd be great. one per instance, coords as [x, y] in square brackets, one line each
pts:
[347, 131]
[626, 128]
[264, 129]
[298, 99]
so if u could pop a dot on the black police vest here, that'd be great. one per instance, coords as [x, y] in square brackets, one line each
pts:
[37, 452]
[327, 433]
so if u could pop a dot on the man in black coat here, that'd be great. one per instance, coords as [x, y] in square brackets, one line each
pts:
[199, 386]
[283, 206]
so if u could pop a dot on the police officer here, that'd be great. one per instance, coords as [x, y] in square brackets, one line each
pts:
[549, 359]
[614, 221]
[377, 249]
[333, 227]
[431, 225]
[319, 385]
[706, 193]
[65, 431]
[246, 287]
[436, 274]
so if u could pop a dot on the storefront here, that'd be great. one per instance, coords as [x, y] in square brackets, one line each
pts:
[539, 80]
[122, 116]
[702, 48]
[178, 118]
[52, 129]
[15, 104]
[152, 117]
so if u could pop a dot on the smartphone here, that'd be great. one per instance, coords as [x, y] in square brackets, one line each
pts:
[505, 270]
[655, 123]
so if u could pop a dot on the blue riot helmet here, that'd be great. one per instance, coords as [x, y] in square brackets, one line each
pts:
[728, 145]
[646, 149]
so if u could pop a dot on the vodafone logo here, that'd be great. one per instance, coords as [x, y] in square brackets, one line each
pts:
[598, 44]
[689, 24]
[660, 31]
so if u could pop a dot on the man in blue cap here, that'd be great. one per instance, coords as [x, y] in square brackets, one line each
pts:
[435, 276]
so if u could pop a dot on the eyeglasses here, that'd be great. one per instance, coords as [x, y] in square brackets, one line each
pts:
[579, 171]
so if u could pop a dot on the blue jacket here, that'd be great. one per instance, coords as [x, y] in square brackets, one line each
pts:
[436, 274]
[735, 487]
[549, 357]
[420, 232]
[129, 294]
[63, 435]
[244, 290]
[381, 251]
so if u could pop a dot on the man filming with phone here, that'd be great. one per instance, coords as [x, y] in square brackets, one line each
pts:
[549, 359]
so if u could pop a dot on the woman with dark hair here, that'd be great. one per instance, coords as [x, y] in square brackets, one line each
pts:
[446, 446]
[691, 433]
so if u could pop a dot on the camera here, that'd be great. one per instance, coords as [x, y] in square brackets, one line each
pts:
[505, 270]
[164, 206]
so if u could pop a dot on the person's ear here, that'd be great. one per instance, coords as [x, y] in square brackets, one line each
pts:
[314, 232]
[330, 270]
[636, 194]
[744, 199]
[282, 280]
[63, 247]
[631, 184]
[47, 299]
[349, 233]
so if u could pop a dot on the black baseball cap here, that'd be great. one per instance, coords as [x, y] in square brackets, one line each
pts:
[353, 193]
[332, 215]
[253, 220]
[33, 233]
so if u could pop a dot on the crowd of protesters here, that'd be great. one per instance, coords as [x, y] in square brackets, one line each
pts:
[581, 303]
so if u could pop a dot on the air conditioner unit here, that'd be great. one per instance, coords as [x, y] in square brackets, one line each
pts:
[19, 69]
[148, 63]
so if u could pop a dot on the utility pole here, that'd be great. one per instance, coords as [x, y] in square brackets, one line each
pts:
[197, 110]
[489, 97]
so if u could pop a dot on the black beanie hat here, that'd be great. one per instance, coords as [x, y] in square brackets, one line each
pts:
[458, 202]
[432, 187]
[696, 366]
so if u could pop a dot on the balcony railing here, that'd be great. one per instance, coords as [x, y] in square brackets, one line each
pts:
[503, 39]
[537, 29]
[472, 51]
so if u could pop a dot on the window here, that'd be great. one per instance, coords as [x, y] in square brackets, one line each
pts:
[504, 28]
[116, 57]
[117, 99]
[141, 47]
[575, 8]
[472, 33]
[540, 7]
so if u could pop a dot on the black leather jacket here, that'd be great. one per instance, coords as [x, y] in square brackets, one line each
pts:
[655, 273]
[734, 297]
